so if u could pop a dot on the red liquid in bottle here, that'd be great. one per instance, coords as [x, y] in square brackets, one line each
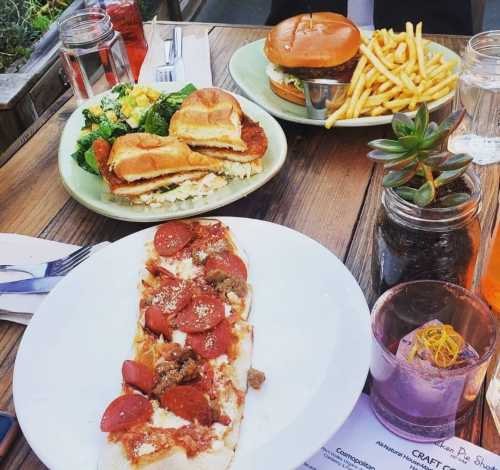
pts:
[126, 19]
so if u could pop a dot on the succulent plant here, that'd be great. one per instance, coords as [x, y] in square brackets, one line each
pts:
[414, 166]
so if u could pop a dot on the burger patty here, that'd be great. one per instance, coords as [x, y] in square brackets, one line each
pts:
[342, 72]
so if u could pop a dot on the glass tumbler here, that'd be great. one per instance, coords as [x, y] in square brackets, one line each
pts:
[93, 53]
[478, 92]
[411, 398]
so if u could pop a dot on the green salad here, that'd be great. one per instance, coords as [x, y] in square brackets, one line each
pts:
[129, 108]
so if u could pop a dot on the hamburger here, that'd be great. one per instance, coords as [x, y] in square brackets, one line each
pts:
[309, 46]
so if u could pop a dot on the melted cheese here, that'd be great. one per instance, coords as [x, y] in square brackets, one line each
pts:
[184, 268]
[165, 419]
[179, 337]
[219, 361]
[145, 448]
[227, 310]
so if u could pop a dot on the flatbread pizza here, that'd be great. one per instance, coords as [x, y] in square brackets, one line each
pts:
[184, 390]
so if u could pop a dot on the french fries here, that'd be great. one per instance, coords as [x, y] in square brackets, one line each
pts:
[396, 72]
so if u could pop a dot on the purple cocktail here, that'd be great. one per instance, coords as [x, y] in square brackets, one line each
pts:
[414, 391]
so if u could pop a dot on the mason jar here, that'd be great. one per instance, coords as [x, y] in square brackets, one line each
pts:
[412, 243]
[93, 53]
[478, 92]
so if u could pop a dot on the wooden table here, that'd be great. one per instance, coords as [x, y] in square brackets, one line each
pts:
[327, 189]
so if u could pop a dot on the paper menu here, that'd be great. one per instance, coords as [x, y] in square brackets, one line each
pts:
[365, 444]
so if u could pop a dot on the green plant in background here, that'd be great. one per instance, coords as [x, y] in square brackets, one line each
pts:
[22, 23]
[413, 165]
[148, 9]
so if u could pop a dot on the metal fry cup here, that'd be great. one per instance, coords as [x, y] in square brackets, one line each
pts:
[324, 96]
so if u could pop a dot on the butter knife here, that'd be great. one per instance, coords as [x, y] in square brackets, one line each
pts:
[33, 285]
[179, 72]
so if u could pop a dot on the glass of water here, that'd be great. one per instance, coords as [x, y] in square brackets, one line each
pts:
[93, 53]
[478, 92]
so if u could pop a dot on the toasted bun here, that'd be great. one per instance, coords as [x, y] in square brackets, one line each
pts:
[288, 92]
[142, 156]
[209, 117]
[254, 137]
[329, 39]
[145, 186]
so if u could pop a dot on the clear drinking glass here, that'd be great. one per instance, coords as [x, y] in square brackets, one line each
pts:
[478, 92]
[412, 398]
[93, 54]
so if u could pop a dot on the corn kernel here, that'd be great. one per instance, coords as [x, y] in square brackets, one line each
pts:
[153, 94]
[142, 100]
[96, 110]
[126, 110]
[111, 115]
[137, 90]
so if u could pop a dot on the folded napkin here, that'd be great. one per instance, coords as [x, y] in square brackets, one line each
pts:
[195, 53]
[20, 249]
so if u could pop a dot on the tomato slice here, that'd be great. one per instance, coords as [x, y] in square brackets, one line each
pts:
[101, 149]
[212, 343]
[157, 322]
[172, 295]
[171, 237]
[228, 263]
[126, 411]
[138, 375]
[189, 403]
[203, 313]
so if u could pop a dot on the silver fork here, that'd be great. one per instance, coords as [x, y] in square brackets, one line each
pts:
[58, 267]
[164, 73]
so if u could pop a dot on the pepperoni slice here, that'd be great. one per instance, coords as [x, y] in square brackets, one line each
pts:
[189, 403]
[212, 343]
[172, 237]
[157, 270]
[138, 375]
[126, 411]
[228, 263]
[172, 296]
[203, 313]
[157, 322]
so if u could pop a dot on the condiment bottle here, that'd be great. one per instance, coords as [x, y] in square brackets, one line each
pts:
[93, 53]
[490, 281]
[126, 18]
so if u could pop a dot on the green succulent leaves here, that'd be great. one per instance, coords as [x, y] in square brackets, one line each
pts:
[414, 155]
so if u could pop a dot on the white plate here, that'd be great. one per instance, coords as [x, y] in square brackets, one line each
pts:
[88, 189]
[248, 69]
[312, 339]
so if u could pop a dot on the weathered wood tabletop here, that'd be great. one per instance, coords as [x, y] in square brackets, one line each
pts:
[327, 190]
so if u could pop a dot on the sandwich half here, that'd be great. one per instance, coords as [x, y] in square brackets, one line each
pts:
[212, 122]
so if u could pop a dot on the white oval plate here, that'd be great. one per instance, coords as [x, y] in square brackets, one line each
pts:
[89, 189]
[312, 339]
[248, 69]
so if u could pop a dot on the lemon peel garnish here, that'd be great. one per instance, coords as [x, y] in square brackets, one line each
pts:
[442, 341]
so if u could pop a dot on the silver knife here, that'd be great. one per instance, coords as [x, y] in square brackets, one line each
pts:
[33, 285]
[179, 72]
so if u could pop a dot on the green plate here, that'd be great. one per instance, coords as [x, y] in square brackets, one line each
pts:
[248, 69]
[90, 190]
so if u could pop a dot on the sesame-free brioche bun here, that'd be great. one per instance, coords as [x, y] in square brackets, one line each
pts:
[288, 92]
[322, 40]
